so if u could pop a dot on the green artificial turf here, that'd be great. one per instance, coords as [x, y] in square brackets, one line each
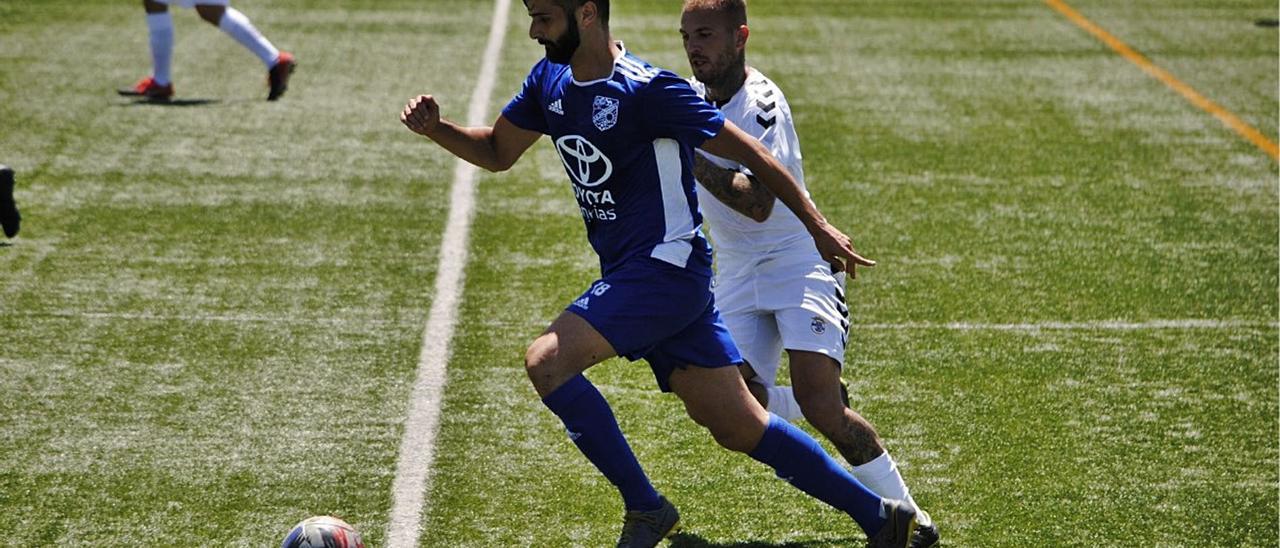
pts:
[211, 321]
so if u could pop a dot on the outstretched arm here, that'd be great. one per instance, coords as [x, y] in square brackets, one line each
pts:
[743, 193]
[834, 246]
[493, 148]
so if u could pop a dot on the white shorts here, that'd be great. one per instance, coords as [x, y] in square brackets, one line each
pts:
[192, 3]
[791, 304]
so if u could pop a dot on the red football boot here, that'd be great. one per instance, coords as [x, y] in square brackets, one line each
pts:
[278, 76]
[147, 87]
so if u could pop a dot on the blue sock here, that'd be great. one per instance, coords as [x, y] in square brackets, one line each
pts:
[799, 459]
[592, 427]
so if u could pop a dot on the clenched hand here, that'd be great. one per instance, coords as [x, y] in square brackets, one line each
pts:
[421, 115]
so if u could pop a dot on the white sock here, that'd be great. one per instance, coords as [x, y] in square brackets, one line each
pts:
[239, 27]
[881, 475]
[160, 27]
[782, 402]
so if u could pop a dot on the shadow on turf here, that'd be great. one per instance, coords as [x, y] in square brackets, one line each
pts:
[175, 102]
[686, 540]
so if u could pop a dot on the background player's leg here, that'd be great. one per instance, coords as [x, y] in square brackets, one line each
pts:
[779, 400]
[160, 29]
[758, 340]
[280, 64]
[555, 362]
[816, 378]
[717, 398]
[239, 27]
[158, 86]
[782, 402]
[754, 384]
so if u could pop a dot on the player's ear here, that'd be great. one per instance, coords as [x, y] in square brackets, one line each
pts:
[740, 37]
[590, 13]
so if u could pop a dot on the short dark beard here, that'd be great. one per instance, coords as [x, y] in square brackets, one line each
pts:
[727, 81]
[561, 50]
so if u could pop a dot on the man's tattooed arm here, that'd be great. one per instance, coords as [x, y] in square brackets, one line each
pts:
[735, 189]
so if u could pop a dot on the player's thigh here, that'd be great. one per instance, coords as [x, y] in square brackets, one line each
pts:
[566, 348]
[756, 335]
[815, 380]
[717, 398]
[702, 343]
[649, 309]
[642, 304]
[816, 319]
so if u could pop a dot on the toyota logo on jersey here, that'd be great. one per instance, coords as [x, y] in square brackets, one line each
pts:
[585, 163]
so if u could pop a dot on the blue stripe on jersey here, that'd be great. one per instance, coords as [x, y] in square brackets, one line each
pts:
[626, 142]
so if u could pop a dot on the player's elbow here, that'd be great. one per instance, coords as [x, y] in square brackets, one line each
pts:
[498, 165]
[761, 213]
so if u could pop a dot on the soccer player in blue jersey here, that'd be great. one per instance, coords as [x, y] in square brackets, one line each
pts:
[626, 133]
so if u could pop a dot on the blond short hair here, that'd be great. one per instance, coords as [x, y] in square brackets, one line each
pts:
[735, 11]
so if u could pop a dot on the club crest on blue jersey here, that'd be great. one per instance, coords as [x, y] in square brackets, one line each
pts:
[604, 112]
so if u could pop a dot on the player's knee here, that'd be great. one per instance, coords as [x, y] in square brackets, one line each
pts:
[211, 14]
[733, 433]
[154, 7]
[542, 366]
[825, 412]
[537, 357]
[758, 391]
[736, 437]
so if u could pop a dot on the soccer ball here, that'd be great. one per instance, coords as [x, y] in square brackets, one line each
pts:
[323, 532]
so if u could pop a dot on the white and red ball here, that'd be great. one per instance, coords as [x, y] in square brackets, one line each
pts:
[323, 532]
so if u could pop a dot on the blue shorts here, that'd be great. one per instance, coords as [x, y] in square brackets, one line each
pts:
[659, 312]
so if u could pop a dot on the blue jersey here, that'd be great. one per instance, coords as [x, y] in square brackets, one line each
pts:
[627, 144]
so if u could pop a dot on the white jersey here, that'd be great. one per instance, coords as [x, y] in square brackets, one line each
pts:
[760, 110]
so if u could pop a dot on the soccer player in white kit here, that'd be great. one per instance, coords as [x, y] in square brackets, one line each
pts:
[773, 289]
[219, 13]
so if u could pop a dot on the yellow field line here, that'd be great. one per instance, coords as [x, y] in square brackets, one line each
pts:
[1232, 121]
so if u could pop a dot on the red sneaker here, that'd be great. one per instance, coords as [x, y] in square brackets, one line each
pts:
[278, 76]
[147, 87]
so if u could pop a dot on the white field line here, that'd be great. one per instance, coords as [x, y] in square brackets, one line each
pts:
[417, 447]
